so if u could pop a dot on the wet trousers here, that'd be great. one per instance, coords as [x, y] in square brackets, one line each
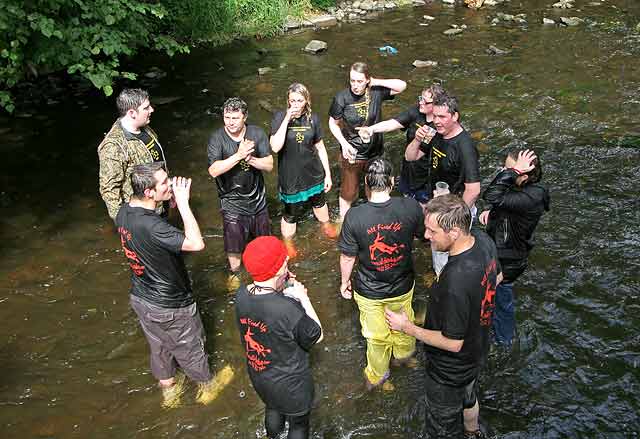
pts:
[504, 315]
[382, 342]
[274, 423]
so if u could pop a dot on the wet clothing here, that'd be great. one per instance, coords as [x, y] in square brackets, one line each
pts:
[382, 342]
[350, 178]
[239, 230]
[381, 236]
[444, 406]
[461, 306]
[414, 175]
[356, 111]
[153, 248]
[274, 424]
[514, 214]
[300, 171]
[454, 161]
[295, 212]
[161, 294]
[176, 338]
[241, 189]
[118, 153]
[277, 335]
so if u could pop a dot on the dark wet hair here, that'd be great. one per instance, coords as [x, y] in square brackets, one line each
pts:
[446, 100]
[435, 90]
[450, 211]
[378, 176]
[143, 177]
[235, 104]
[130, 99]
[535, 175]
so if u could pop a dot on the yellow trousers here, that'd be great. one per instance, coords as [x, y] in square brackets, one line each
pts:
[382, 342]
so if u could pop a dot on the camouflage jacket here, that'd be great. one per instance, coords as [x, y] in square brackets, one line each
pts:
[118, 152]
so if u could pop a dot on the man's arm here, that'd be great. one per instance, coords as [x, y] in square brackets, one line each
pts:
[413, 151]
[219, 167]
[348, 151]
[346, 267]
[400, 322]
[111, 176]
[261, 163]
[324, 159]
[471, 193]
[193, 241]
[396, 86]
[299, 292]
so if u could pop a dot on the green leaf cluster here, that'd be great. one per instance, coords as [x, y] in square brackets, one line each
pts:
[85, 37]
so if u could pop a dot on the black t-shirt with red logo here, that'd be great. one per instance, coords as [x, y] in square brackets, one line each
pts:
[153, 248]
[353, 111]
[277, 334]
[461, 307]
[381, 236]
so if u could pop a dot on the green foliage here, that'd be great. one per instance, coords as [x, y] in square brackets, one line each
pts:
[323, 4]
[218, 21]
[85, 37]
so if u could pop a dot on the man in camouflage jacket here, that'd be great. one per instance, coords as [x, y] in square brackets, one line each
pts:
[130, 142]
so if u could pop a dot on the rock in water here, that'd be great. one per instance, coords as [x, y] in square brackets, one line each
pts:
[495, 51]
[264, 70]
[315, 46]
[453, 31]
[474, 4]
[548, 21]
[324, 21]
[420, 64]
[571, 21]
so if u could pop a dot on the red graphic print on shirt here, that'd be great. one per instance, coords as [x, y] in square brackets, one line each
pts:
[382, 262]
[134, 261]
[256, 352]
[488, 302]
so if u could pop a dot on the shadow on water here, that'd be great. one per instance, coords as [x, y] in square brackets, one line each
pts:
[75, 363]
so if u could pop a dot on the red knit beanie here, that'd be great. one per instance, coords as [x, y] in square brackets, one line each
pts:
[263, 257]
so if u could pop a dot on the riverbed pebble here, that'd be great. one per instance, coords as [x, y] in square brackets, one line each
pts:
[563, 4]
[421, 64]
[571, 21]
[315, 46]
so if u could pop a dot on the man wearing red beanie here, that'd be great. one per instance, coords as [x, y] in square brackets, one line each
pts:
[278, 326]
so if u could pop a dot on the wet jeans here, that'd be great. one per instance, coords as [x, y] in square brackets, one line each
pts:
[504, 315]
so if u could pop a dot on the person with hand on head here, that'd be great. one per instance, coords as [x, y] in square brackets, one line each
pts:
[129, 142]
[304, 175]
[238, 154]
[161, 293]
[358, 106]
[517, 202]
[278, 326]
[459, 311]
[417, 121]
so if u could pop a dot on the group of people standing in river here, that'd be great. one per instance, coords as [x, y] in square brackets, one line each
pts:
[470, 300]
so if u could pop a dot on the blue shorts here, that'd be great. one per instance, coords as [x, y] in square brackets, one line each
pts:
[421, 195]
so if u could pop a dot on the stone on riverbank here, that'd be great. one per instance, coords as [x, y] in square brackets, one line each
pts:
[292, 23]
[324, 21]
[421, 64]
[563, 4]
[548, 21]
[571, 21]
[449, 2]
[474, 4]
[315, 46]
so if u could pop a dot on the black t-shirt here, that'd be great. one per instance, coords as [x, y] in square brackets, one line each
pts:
[277, 333]
[352, 110]
[150, 144]
[241, 189]
[153, 248]
[416, 173]
[381, 236]
[454, 161]
[461, 307]
[299, 166]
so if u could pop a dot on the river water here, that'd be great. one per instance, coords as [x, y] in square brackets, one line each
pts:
[75, 364]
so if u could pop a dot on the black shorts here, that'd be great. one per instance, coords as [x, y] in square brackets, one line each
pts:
[239, 230]
[444, 407]
[294, 212]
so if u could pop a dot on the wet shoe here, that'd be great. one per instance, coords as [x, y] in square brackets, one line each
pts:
[172, 396]
[330, 230]
[209, 391]
[233, 282]
[383, 380]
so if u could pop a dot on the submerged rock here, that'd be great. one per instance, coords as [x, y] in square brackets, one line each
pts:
[563, 4]
[421, 64]
[453, 31]
[571, 21]
[548, 21]
[316, 46]
[493, 50]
